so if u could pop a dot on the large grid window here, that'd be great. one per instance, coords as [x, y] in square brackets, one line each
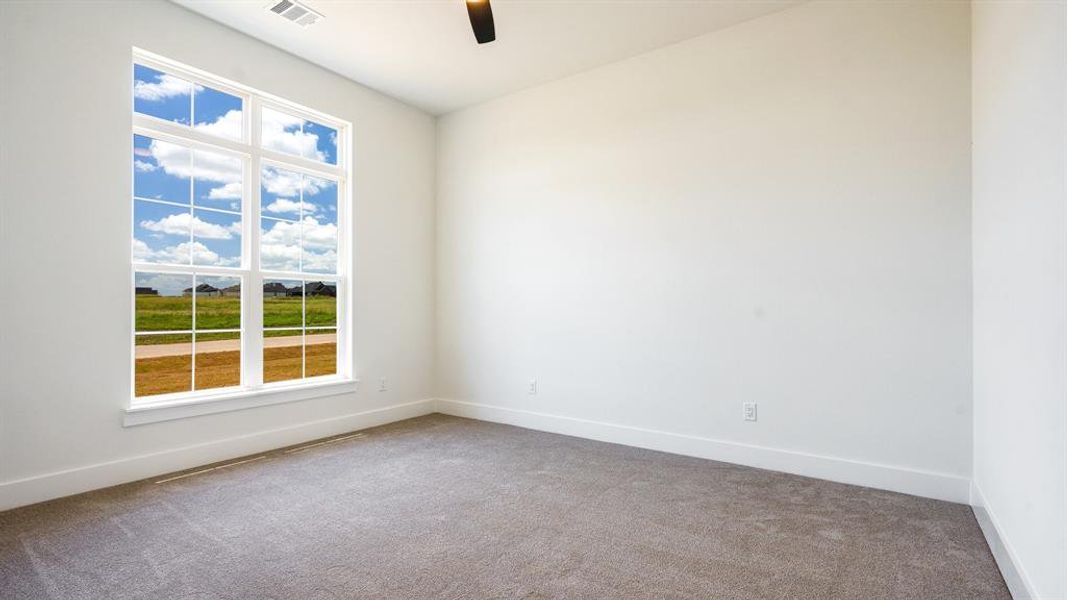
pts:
[239, 206]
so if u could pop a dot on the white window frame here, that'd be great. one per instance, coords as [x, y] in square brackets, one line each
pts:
[252, 391]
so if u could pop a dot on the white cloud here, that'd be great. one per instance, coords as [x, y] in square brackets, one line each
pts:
[320, 262]
[286, 206]
[179, 161]
[227, 126]
[280, 182]
[276, 137]
[178, 224]
[165, 86]
[281, 246]
[288, 184]
[229, 191]
[202, 255]
[143, 166]
[210, 166]
[319, 236]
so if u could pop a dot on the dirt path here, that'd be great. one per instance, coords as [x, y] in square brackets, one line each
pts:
[155, 351]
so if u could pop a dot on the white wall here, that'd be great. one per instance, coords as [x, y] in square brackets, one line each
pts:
[65, 106]
[778, 212]
[1020, 284]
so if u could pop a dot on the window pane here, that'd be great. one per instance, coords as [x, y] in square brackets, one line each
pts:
[279, 248]
[218, 113]
[283, 303]
[326, 142]
[320, 352]
[218, 303]
[216, 239]
[285, 133]
[283, 355]
[319, 246]
[218, 359]
[320, 304]
[160, 233]
[161, 95]
[280, 192]
[161, 302]
[217, 180]
[161, 170]
[319, 226]
[163, 364]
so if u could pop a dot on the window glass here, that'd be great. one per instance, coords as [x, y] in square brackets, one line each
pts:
[299, 228]
[289, 134]
[175, 99]
[218, 303]
[218, 180]
[161, 170]
[318, 235]
[325, 142]
[320, 352]
[161, 233]
[300, 329]
[283, 355]
[163, 364]
[218, 360]
[162, 346]
[283, 303]
[160, 302]
[218, 113]
[190, 189]
[216, 238]
[162, 95]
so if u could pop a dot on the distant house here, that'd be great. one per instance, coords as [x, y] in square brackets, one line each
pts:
[203, 290]
[234, 291]
[274, 290]
[318, 288]
[146, 291]
[311, 288]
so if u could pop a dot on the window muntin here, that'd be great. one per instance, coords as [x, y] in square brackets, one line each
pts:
[202, 253]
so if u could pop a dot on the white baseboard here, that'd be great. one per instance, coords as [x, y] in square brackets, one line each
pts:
[75, 481]
[927, 484]
[1014, 575]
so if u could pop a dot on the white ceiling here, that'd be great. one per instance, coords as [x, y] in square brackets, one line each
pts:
[423, 51]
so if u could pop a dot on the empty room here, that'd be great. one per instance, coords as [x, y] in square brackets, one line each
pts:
[480, 299]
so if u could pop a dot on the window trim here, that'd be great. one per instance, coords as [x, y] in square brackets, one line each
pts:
[252, 391]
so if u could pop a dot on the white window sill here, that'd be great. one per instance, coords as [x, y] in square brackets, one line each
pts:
[181, 408]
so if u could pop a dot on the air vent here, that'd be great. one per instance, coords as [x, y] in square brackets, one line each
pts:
[295, 12]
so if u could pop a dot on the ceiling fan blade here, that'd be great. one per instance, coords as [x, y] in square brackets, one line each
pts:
[481, 15]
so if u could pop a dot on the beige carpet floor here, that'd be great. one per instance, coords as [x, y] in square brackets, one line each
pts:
[441, 507]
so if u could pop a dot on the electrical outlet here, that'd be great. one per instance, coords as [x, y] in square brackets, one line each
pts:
[382, 385]
[749, 411]
[532, 390]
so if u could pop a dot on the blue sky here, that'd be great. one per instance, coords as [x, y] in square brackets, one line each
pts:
[166, 207]
[202, 190]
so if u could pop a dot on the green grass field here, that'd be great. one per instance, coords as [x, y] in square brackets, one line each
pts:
[175, 313]
[169, 374]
